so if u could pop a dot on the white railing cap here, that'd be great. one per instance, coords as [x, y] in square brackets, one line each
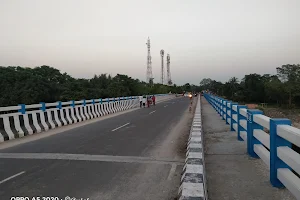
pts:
[234, 107]
[33, 106]
[289, 133]
[243, 111]
[10, 108]
[262, 120]
[51, 104]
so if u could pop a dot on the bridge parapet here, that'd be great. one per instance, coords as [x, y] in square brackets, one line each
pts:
[274, 148]
[22, 120]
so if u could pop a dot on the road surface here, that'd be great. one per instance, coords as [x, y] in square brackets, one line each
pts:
[136, 155]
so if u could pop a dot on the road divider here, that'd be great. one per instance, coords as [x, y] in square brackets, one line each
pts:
[193, 181]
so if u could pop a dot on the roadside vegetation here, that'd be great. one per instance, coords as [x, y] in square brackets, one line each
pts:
[20, 85]
[278, 95]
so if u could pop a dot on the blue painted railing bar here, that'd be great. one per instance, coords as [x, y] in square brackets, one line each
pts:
[275, 149]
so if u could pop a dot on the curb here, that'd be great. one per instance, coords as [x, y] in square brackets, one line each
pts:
[193, 181]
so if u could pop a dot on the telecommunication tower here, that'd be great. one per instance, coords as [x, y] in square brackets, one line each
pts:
[162, 65]
[149, 63]
[168, 70]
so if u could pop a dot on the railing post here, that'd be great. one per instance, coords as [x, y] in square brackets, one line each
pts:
[232, 112]
[251, 126]
[227, 109]
[43, 106]
[216, 104]
[277, 141]
[23, 108]
[221, 108]
[240, 117]
[219, 105]
[59, 105]
[224, 107]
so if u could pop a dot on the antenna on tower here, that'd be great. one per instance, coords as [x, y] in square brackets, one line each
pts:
[168, 70]
[149, 77]
[162, 65]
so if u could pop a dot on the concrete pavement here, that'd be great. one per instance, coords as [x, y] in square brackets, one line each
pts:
[131, 156]
[231, 173]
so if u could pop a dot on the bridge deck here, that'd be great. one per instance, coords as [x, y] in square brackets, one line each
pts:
[231, 173]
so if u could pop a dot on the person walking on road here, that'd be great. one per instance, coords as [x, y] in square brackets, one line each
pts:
[144, 100]
[153, 100]
[148, 101]
[141, 101]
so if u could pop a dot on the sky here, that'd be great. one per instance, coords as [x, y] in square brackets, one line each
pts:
[214, 39]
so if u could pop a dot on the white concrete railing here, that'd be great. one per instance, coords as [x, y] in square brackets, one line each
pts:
[274, 148]
[22, 120]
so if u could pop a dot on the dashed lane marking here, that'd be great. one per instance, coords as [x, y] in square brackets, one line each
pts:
[120, 127]
[152, 112]
[11, 177]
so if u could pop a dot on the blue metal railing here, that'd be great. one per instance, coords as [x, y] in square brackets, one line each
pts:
[274, 148]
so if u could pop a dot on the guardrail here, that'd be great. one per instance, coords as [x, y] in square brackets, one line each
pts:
[274, 148]
[22, 120]
[193, 181]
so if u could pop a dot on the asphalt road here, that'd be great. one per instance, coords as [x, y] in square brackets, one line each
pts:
[129, 156]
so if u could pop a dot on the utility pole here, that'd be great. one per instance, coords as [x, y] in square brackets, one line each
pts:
[162, 65]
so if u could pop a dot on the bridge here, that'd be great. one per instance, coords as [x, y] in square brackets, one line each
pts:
[113, 149]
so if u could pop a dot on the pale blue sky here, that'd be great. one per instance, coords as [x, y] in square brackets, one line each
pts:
[216, 39]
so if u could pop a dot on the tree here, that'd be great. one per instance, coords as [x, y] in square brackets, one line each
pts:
[253, 88]
[290, 76]
[274, 90]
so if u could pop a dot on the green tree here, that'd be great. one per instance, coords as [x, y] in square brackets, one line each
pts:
[290, 76]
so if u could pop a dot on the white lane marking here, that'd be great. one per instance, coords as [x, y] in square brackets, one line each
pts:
[120, 127]
[152, 112]
[172, 171]
[11, 177]
[165, 105]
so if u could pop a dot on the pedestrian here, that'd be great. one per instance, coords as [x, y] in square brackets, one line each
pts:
[144, 101]
[153, 100]
[141, 101]
[148, 101]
